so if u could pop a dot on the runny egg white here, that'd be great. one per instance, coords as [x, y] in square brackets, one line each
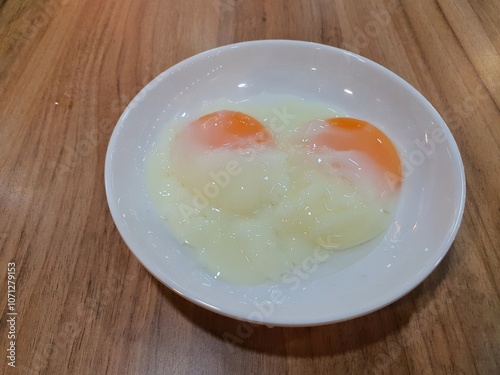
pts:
[256, 187]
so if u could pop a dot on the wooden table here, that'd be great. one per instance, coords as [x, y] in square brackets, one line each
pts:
[85, 305]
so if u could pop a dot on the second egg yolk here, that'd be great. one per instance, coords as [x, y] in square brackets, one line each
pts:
[351, 134]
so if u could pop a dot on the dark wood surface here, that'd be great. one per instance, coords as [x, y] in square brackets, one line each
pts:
[85, 304]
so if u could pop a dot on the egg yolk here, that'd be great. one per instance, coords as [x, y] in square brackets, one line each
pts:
[228, 129]
[346, 134]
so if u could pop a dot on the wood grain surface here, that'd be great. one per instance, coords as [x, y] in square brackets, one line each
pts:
[86, 305]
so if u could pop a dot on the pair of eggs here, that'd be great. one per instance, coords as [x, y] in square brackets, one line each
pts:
[255, 203]
[344, 147]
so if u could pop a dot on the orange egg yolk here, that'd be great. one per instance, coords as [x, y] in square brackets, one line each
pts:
[351, 134]
[228, 129]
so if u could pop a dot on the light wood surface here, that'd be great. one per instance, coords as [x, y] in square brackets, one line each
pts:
[85, 304]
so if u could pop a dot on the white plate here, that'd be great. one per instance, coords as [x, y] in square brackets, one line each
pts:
[424, 226]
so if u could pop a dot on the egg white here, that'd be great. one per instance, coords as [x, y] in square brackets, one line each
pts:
[253, 214]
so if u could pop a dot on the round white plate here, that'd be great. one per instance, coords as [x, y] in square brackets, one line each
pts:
[425, 223]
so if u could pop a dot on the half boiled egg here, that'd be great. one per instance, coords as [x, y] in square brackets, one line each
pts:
[346, 175]
[229, 160]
